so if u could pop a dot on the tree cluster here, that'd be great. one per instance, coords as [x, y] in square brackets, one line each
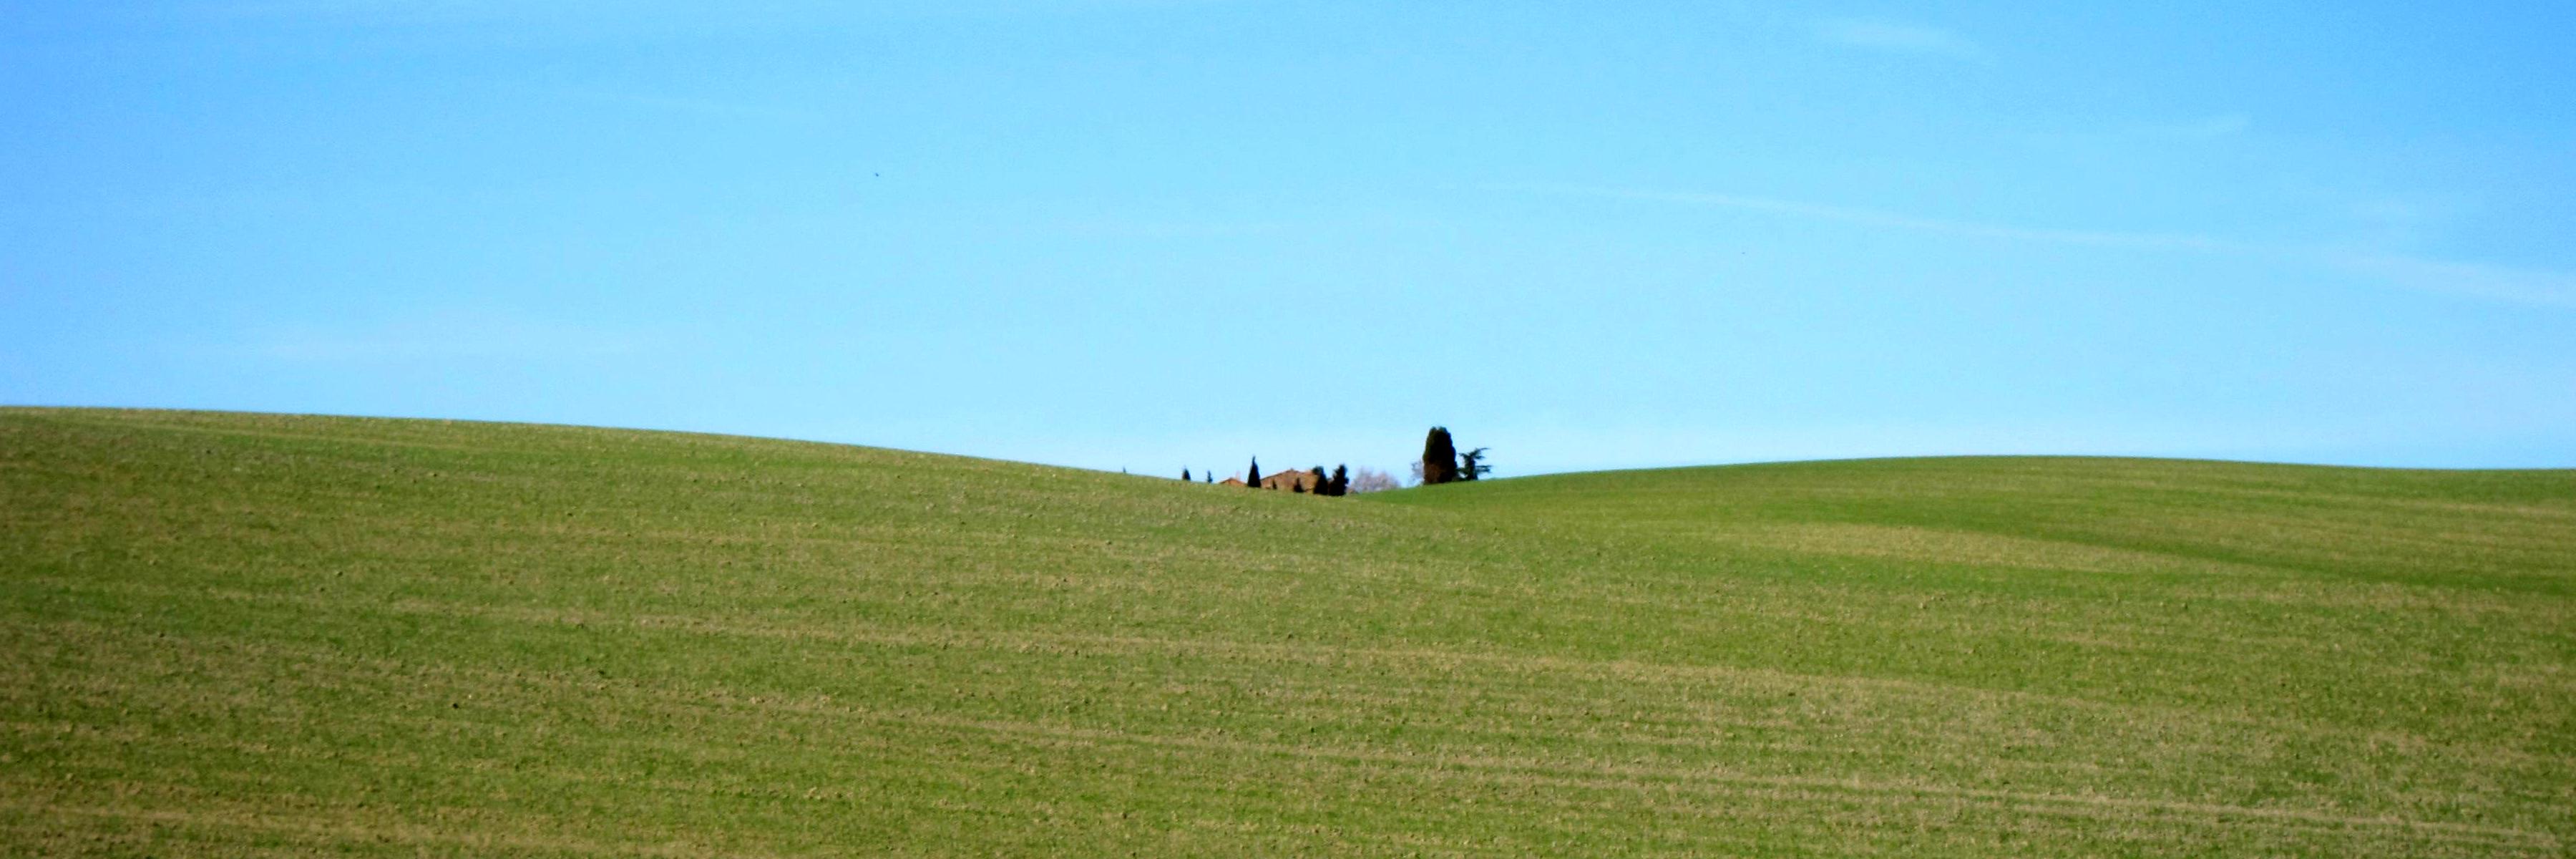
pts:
[1443, 463]
[1335, 484]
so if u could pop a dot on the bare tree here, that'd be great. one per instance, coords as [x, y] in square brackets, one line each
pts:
[1365, 479]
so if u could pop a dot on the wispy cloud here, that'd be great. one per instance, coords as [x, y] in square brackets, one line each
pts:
[2204, 128]
[2396, 221]
[1878, 218]
[2501, 283]
[445, 337]
[405, 13]
[714, 108]
[376, 12]
[2186, 131]
[1878, 34]
[1115, 228]
[2537, 287]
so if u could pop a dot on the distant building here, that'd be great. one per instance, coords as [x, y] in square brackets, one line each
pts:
[1290, 479]
[1283, 481]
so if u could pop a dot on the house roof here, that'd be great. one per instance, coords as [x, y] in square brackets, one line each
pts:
[1286, 476]
[1280, 477]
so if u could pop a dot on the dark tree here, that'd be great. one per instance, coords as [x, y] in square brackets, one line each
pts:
[1439, 457]
[1473, 465]
[1341, 483]
[1315, 481]
[1209, 477]
[1185, 475]
[1252, 478]
[1297, 487]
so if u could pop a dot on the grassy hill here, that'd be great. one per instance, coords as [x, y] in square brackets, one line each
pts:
[244, 634]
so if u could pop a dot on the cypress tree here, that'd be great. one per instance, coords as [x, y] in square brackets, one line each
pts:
[1185, 475]
[1439, 457]
[1341, 481]
[1252, 479]
[1315, 481]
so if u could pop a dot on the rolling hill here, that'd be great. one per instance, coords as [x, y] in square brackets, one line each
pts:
[269, 635]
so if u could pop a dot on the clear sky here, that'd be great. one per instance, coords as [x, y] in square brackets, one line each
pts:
[1158, 235]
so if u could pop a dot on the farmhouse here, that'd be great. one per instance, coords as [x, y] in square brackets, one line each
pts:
[1290, 479]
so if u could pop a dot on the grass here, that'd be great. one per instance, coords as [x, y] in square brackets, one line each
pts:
[268, 635]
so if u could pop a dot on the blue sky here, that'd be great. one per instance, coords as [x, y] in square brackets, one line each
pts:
[1163, 234]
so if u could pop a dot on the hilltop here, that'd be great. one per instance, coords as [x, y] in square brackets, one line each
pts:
[260, 634]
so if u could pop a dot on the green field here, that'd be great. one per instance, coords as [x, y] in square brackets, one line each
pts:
[248, 635]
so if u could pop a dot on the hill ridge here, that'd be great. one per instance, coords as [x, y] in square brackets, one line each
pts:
[392, 636]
